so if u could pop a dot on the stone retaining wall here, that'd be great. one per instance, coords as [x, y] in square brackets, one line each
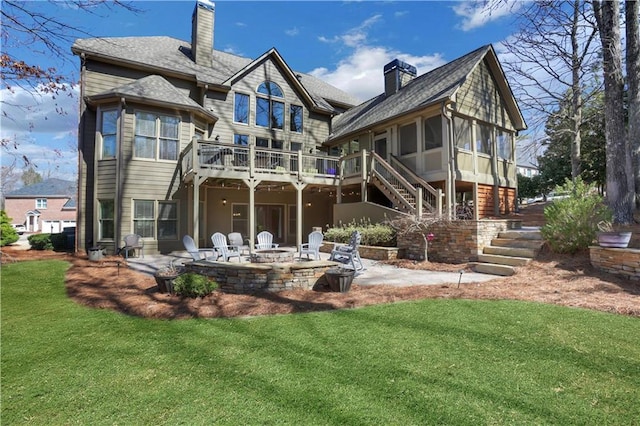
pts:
[251, 278]
[618, 261]
[457, 241]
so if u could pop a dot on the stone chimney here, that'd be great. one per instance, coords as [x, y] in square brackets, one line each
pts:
[396, 75]
[202, 32]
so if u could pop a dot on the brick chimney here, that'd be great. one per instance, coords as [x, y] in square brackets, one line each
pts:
[202, 32]
[396, 75]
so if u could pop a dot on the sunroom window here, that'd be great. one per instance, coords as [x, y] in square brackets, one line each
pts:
[462, 133]
[484, 135]
[432, 133]
[503, 139]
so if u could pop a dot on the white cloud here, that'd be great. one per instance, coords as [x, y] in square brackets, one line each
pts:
[360, 73]
[292, 32]
[476, 14]
[44, 129]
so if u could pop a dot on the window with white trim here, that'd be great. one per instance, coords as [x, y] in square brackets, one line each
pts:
[484, 138]
[108, 133]
[156, 137]
[106, 219]
[295, 118]
[41, 203]
[241, 108]
[269, 111]
[143, 217]
[503, 140]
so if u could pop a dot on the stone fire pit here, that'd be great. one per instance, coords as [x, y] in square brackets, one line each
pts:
[272, 256]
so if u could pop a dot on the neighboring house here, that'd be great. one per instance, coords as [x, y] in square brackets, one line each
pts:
[528, 170]
[48, 206]
[179, 138]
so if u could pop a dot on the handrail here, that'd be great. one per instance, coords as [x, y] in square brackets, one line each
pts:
[394, 180]
[431, 196]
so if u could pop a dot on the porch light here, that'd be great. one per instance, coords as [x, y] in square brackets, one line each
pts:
[224, 201]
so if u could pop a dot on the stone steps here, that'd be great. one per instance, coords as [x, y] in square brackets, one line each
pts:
[512, 248]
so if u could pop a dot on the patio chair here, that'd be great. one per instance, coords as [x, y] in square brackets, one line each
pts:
[349, 253]
[224, 250]
[133, 242]
[313, 246]
[265, 241]
[195, 252]
[235, 239]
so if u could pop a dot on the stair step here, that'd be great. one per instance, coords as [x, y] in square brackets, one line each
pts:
[491, 268]
[508, 242]
[503, 260]
[508, 251]
[521, 234]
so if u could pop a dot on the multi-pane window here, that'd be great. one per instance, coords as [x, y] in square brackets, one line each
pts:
[296, 146]
[462, 133]
[241, 139]
[504, 144]
[106, 219]
[432, 133]
[156, 133]
[108, 130]
[484, 137]
[143, 217]
[295, 118]
[241, 108]
[167, 220]
[408, 142]
[41, 203]
[269, 112]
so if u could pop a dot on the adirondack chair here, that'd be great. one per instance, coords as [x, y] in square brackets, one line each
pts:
[265, 241]
[349, 253]
[133, 242]
[195, 252]
[313, 246]
[235, 239]
[224, 250]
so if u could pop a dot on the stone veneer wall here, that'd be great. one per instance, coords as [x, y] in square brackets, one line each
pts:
[618, 261]
[457, 241]
[251, 278]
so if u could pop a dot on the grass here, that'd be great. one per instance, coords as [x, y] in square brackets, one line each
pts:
[427, 362]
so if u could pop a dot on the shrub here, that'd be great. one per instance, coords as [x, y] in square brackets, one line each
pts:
[40, 241]
[8, 234]
[193, 285]
[372, 234]
[572, 222]
[59, 241]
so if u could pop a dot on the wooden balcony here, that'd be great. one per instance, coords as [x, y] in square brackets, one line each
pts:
[229, 162]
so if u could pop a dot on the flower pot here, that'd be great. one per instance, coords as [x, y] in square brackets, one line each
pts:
[165, 283]
[339, 279]
[614, 239]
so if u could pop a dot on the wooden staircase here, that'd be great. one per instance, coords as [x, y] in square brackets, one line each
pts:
[511, 249]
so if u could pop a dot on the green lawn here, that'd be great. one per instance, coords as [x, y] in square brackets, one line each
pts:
[418, 363]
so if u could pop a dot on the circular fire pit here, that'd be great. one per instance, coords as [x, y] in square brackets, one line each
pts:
[272, 256]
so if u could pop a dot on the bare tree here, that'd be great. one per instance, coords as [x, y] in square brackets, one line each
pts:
[620, 181]
[26, 28]
[553, 54]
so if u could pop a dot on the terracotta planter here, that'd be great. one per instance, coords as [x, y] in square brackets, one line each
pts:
[614, 239]
[339, 279]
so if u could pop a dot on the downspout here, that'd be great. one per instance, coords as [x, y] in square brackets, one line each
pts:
[81, 109]
[119, 162]
[451, 171]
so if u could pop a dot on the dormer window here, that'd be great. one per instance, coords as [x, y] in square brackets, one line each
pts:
[269, 111]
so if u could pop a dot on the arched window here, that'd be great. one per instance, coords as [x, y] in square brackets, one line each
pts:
[269, 112]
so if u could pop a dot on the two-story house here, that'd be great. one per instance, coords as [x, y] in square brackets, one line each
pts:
[48, 206]
[180, 138]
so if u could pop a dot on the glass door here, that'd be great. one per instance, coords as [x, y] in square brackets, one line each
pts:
[270, 217]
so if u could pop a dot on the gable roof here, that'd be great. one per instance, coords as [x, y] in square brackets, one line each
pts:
[153, 89]
[171, 56]
[54, 188]
[428, 89]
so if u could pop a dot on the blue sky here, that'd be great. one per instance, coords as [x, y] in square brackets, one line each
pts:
[345, 43]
